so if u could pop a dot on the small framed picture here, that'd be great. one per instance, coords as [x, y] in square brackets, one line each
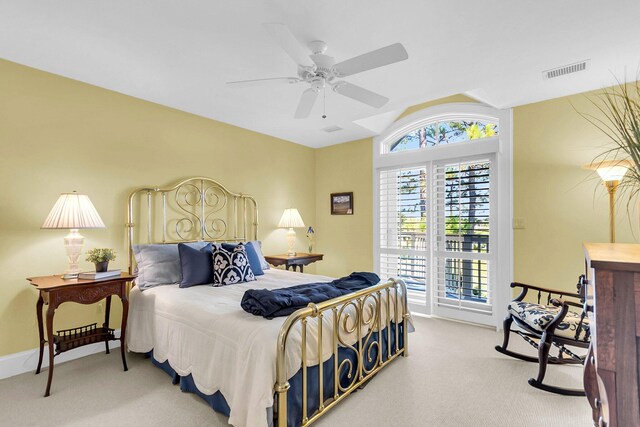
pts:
[342, 203]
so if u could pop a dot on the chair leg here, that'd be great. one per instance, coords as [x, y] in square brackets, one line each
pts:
[507, 330]
[544, 346]
[543, 355]
[508, 321]
[505, 342]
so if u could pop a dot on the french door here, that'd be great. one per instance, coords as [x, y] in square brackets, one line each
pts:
[436, 232]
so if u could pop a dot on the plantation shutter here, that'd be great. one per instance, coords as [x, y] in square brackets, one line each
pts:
[462, 252]
[403, 225]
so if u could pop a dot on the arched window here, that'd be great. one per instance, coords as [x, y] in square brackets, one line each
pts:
[442, 199]
[445, 132]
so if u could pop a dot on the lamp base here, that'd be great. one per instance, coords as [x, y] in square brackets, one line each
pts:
[612, 186]
[291, 241]
[73, 245]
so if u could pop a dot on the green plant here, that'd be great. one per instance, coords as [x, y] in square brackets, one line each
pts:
[97, 255]
[619, 120]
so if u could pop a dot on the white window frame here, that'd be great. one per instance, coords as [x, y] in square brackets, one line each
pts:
[499, 146]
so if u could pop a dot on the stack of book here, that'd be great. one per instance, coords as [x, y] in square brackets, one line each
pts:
[93, 275]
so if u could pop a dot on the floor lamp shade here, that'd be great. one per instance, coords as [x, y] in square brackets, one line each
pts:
[291, 219]
[611, 174]
[73, 211]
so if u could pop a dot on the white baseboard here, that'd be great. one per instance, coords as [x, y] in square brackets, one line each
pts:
[27, 361]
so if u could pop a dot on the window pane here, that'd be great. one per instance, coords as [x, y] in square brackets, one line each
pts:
[462, 280]
[419, 138]
[403, 224]
[410, 268]
[442, 133]
[462, 130]
[463, 197]
[403, 208]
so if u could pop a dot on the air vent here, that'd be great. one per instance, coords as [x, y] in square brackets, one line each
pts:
[330, 129]
[566, 69]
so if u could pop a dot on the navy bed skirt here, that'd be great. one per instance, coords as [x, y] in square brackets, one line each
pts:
[294, 395]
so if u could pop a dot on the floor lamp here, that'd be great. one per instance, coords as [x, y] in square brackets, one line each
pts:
[611, 174]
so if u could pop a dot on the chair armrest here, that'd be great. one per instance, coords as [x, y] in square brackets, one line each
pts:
[551, 327]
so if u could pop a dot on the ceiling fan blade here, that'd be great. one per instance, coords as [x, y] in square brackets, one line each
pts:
[374, 59]
[290, 44]
[306, 103]
[360, 94]
[263, 82]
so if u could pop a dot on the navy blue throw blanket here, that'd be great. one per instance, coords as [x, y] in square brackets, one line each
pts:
[284, 301]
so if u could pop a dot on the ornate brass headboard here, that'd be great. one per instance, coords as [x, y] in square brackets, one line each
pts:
[194, 209]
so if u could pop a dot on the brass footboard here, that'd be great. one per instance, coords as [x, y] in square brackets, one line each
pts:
[357, 315]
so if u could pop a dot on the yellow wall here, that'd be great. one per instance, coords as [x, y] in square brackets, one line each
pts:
[58, 135]
[346, 240]
[561, 204]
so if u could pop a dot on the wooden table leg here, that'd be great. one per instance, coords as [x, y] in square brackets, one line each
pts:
[107, 311]
[39, 305]
[123, 328]
[50, 312]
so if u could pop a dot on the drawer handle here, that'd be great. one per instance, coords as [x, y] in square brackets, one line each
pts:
[593, 360]
[598, 403]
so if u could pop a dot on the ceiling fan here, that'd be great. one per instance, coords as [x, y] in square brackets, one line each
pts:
[320, 70]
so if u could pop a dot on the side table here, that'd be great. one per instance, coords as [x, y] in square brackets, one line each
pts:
[298, 260]
[53, 291]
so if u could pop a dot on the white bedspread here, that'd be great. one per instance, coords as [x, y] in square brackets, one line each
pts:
[204, 332]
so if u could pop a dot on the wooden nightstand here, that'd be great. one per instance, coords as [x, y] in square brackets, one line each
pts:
[298, 260]
[54, 291]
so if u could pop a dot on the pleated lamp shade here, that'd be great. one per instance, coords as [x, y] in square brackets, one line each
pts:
[73, 210]
[291, 218]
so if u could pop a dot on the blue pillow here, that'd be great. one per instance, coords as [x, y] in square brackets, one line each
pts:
[230, 267]
[257, 245]
[196, 265]
[252, 255]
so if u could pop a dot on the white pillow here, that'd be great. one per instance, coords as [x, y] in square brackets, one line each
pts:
[159, 264]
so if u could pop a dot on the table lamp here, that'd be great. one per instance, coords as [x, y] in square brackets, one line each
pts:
[611, 172]
[73, 211]
[291, 219]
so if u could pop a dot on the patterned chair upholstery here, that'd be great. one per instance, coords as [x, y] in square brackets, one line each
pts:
[573, 326]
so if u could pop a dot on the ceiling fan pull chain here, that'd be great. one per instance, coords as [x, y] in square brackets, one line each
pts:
[324, 102]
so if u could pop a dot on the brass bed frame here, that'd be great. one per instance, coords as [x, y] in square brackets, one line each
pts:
[202, 209]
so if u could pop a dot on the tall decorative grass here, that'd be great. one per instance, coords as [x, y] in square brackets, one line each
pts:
[618, 117]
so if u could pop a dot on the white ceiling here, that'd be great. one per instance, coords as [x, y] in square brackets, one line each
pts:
[181, 53]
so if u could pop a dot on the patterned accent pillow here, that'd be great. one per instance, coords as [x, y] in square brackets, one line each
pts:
[231, 267]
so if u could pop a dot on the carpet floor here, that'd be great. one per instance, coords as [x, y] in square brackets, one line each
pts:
[453, 378]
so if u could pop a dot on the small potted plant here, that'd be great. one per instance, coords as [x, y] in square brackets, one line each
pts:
[101, 257]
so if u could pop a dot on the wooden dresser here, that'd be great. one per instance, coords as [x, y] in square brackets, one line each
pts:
[612, 373]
